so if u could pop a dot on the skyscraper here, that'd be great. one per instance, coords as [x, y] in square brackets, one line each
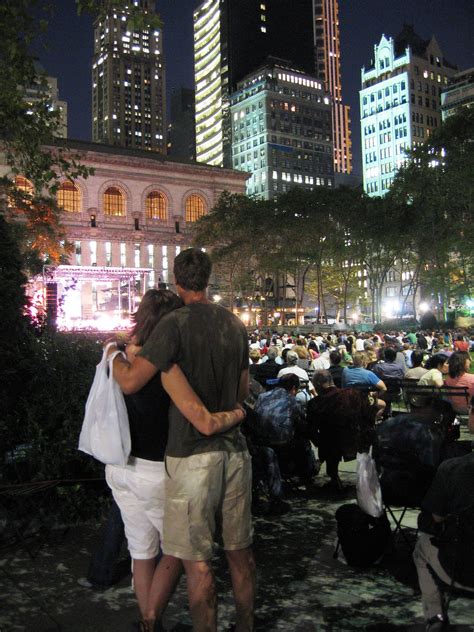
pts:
[231, 39]
[281, 130]
[328, 68]
[128, 80]
[399, 103]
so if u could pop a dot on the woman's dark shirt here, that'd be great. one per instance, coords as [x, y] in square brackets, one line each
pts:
[148, 418]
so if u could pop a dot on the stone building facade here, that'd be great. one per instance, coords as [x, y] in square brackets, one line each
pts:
[127, 222]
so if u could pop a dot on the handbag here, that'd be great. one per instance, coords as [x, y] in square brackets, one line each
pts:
[369, 493]
[105, 433]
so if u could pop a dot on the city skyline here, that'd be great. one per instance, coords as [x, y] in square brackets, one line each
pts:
[361, 26]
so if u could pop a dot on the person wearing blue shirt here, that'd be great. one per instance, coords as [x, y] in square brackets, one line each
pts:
[359, 377]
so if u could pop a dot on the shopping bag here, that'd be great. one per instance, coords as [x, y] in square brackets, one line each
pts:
[369, 494]
[105, 433]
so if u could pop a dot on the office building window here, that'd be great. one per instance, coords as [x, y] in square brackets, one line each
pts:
[123, 254]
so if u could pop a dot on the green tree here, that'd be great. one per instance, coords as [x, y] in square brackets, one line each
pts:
[434, 191]
[27, 131]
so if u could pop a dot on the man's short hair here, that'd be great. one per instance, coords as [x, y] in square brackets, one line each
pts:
[291, 357]
[192, 269]
[335, 358]
[289, 381]
[390, 354]
[272, 353]
[322, 379]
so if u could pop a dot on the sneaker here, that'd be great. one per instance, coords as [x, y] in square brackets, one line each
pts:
[85, 583]
[438, 623]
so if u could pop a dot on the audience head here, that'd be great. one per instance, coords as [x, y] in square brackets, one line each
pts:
[416, 358]
[322, 380]
[389, 354]
[437, 361]
[254, 355]
[459, 362]
[290, 382]
[272, 353]
[335, 358]
[291, 357]
[359, 359]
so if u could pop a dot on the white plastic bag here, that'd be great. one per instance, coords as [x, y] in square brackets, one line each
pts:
[369, 494]
[105, 433]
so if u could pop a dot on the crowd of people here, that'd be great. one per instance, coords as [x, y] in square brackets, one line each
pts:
[215, 413]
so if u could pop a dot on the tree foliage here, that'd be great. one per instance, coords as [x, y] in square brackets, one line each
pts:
[27, 130]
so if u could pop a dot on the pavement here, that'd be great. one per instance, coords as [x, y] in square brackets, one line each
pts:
[301, 587]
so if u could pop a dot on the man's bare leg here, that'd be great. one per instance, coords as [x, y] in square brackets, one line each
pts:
[202, 595]
[243, 576]
[163, 585]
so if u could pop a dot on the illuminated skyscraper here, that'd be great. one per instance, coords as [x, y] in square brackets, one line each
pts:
[128, 80]
[400, 103]
[328, 68]
[231, 39]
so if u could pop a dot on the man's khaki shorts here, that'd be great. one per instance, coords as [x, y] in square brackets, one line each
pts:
[204, 493]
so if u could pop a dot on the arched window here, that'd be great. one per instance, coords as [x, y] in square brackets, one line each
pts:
[155, 206]
[195, 208]
[25, 189]
[69, 197]
[114, 202]
[24, 185]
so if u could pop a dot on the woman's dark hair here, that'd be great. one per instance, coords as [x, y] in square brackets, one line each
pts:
[436, 360]
[154, 305]
[457, 363]
[417, 358]
[335, 358]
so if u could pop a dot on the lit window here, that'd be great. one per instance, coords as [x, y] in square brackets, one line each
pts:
[114, 202]
[69, 197]
[155, 206]
[194, 208]
[24, 185]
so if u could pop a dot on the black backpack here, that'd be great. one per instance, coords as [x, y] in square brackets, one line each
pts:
[363, 539]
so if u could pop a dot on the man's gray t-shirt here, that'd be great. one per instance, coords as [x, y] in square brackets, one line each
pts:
[210, 346]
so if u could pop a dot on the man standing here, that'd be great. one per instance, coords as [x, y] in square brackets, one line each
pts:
[209, 476]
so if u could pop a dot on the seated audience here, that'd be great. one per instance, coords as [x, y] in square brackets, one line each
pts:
[417, 371]
[267, 370]
[388, 368]
[340, 423]
[357, 376]
[335, 368]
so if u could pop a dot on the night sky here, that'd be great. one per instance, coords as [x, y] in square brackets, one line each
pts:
[362, 22]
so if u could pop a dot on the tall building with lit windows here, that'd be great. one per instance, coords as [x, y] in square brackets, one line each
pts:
[128, 81]
[281, 130]
[400, 103]
[328, 68]
[231, 39]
